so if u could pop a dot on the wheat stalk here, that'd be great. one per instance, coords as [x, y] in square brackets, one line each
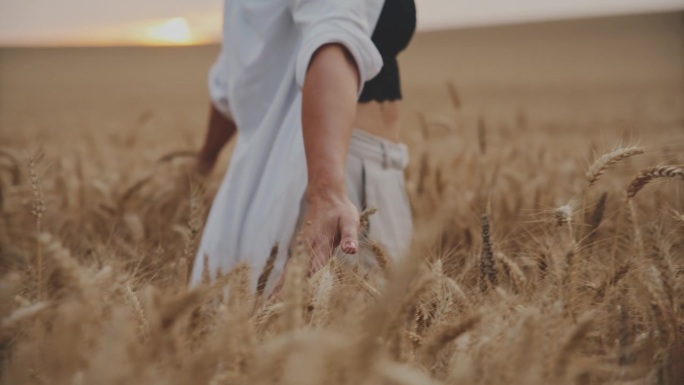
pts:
[571, 343]
[482, 135]
[596, 218]
[453, 96]
[22, 315]
[613, 279]
[394, 331]
[515, 273]
[38, 209]
[132, 190]
[423, 173]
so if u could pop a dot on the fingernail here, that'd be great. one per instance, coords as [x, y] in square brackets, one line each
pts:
[349, 247]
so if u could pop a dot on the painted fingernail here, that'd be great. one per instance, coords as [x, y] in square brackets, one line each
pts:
[349, 247]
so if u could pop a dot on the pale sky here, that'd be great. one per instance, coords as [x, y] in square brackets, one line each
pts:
[99, 22]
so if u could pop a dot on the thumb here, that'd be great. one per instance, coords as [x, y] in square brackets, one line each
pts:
[349, 232]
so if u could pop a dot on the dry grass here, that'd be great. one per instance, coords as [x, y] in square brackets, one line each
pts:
[499, 288]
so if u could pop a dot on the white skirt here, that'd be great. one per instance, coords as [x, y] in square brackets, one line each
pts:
[374, 178]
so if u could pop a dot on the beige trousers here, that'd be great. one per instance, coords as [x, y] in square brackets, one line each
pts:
[375, 178]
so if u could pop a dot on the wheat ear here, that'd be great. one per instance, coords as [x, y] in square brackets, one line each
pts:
[380, 254]
[647, 175]
[677, 216]
[266, 272]
[487, 266]
[514, 271]
[364, 221]
[599, 167]
[447, 334]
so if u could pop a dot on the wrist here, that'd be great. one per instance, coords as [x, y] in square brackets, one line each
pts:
[325, 189]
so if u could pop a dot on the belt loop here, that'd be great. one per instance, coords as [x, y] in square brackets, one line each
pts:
[384, 155]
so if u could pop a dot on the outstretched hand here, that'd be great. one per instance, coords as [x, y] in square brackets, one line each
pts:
[331, 220]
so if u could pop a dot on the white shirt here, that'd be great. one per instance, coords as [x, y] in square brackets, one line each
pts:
[267, 47]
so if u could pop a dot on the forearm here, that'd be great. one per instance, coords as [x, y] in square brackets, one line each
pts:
[329, 97]
[219, 131]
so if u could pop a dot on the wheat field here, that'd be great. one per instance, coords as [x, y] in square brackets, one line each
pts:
[548, 208]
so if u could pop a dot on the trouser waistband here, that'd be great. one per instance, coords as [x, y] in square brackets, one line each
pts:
[376, 149]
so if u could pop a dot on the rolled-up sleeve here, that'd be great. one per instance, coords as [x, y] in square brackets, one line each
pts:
[218, 85]
[346, 22]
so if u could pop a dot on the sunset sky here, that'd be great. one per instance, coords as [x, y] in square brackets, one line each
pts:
[157, 22]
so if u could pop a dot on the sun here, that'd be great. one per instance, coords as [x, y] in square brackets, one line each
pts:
[172, 31]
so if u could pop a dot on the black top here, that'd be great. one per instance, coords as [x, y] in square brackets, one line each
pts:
[393, 32]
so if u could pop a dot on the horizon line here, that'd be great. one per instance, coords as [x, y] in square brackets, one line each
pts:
[436, 28]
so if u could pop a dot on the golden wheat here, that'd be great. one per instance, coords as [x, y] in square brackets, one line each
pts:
[93, 272]
[649, 174]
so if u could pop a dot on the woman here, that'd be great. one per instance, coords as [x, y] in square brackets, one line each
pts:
[318, 139]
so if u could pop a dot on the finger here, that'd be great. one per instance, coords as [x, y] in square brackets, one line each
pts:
[349, 233]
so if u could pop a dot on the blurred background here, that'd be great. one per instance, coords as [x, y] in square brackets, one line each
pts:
[177, 22]
[110, 66]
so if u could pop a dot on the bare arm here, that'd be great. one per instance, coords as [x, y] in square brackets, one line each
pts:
[329, 100]
[219, 131]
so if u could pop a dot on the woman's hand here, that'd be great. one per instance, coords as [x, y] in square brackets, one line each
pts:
[331, 220]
